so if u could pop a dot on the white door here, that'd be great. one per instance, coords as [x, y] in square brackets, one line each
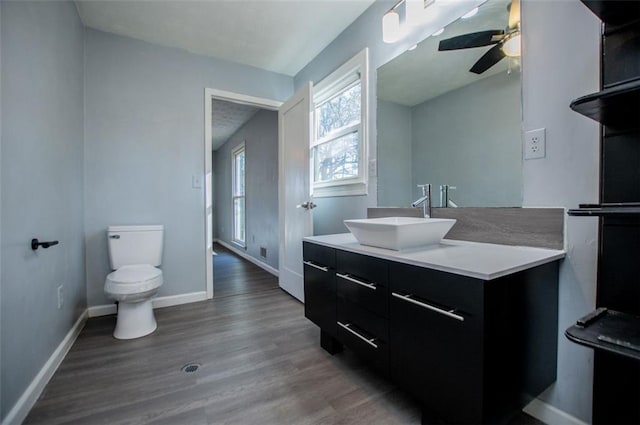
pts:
[295, 215]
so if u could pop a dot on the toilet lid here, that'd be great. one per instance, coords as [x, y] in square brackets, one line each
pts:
[134, 274]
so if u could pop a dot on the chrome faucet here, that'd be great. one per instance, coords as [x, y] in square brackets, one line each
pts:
[445, 202]
[425, 200]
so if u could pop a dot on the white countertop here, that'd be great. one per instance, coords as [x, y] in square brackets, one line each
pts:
[479, 260]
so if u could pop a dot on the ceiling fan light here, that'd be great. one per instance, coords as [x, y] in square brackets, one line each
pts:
[470, 14]
[391, 27]
[511, 47]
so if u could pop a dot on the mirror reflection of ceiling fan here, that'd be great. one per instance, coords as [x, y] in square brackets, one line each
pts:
[507, 41]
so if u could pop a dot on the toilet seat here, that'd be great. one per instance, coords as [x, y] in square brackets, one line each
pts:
[133, 279]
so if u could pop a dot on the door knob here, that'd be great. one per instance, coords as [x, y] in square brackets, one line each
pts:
[35, 244]
[307, 205]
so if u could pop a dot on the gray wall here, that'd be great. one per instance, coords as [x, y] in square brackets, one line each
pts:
[470, 138]
[260, 135]
[144, 140]
[560, 63]
[42, 185]
[1, 404]
[395, 186]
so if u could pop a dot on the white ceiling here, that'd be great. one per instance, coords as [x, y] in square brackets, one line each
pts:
[424, 73]
[276, 35]
[228, 117]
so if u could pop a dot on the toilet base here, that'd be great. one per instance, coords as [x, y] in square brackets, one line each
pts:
[135, 320]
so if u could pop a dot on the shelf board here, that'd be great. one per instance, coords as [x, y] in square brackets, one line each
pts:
[614, 12]
[608, 330]
[615, 107]
[607, 209]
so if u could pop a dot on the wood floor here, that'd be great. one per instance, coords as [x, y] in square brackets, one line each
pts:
[232, 276]
[261, 363]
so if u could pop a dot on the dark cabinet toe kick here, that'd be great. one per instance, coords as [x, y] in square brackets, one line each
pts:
[330, 344]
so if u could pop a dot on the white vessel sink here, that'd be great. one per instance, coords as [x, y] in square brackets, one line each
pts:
[399, 233]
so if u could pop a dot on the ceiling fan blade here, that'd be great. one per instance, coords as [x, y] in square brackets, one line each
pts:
[466, 41]
[492, 57]
[514, 14]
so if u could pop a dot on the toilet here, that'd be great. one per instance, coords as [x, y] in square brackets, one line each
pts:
[134, 254]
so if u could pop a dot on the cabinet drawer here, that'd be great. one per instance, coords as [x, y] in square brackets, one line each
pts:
[369, 295]
[458, 297]
[367, 269]
[365, 333]
[319, 255]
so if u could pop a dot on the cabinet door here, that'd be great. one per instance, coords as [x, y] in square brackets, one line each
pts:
[436, 347]
[320, 286]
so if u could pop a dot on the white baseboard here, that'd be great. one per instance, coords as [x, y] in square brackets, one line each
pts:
[102, 310]
[549, 414]
[160, 302]
[21, 409]
[249, 258]
[168, 301]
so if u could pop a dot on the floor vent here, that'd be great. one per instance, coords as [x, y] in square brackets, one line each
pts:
[190, 367]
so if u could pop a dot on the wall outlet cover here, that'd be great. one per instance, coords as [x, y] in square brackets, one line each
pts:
[534, 144]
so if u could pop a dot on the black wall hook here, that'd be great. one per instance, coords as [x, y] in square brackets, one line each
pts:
[35, 244]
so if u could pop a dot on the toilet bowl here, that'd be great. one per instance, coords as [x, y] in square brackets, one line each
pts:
[134, 253]
[133, 287]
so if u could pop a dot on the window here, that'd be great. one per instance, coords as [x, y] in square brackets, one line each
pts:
[339, 143]
[238, 194]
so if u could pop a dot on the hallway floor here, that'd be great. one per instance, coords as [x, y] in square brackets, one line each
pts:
[260, 363]
[233, 275]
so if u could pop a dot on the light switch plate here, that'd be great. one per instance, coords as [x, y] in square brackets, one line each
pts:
[196, 182]
[373, 168]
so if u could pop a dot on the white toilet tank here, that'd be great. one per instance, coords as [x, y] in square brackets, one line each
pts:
[130, 245]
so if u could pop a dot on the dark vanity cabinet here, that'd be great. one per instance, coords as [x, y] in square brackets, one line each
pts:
[469, 350]
[436, 330]
[362, 315]
[320, 289]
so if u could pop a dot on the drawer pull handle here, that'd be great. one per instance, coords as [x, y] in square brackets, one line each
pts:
[365, 339]
[449, 313]
[315, 266]
[359, 282]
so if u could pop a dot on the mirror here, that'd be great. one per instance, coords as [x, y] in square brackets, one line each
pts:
[439, 123]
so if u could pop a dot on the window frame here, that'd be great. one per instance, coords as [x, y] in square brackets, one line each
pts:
[344, 77]
[237, 150]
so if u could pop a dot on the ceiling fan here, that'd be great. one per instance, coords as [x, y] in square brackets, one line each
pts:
[507, 41]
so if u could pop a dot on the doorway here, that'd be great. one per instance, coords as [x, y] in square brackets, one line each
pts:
[223, 221]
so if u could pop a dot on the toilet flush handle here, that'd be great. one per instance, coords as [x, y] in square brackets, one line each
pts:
[114, 236]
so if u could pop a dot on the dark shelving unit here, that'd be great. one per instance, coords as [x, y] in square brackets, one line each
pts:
[608, 330]
[614, 12]
[613, 330]
[630, 209]
[615, 107]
